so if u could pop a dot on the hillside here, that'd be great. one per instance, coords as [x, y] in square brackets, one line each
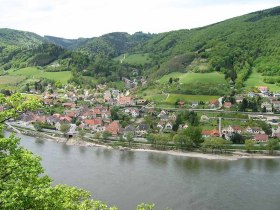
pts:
[233, 47]
[238, 48]
[113, 44]
[68, 44]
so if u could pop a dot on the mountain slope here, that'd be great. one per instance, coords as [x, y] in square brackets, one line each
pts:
[234, 47]
[19, 38]
[113, 44]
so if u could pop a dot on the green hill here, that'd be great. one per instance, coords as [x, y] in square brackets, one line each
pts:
[233, 47]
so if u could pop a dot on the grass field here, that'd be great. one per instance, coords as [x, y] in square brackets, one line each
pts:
[136, 59]
[256, 79]
[34, 72]
[10, 82]
[172, 98]
[187, 78]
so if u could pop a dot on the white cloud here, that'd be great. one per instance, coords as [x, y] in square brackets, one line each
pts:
[88, 18]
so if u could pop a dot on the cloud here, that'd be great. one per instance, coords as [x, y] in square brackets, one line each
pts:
[88, 18]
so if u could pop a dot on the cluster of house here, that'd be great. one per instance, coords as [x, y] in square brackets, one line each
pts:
[270, 99]
[256, 133]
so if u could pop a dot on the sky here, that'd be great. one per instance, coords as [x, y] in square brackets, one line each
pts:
[92, 18]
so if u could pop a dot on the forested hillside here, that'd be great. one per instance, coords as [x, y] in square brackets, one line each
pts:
[235, 47]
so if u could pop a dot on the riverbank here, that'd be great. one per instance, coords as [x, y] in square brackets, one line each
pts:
[209, 156]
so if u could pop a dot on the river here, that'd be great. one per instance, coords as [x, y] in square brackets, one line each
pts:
[126, 178]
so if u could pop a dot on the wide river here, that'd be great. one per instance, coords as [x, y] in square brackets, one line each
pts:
[125, 178]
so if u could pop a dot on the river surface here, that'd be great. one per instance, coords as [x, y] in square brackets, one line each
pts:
[126, 178]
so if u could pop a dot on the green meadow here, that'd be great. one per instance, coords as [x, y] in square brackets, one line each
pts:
[256, 79]
[35, 73]
[187, 78]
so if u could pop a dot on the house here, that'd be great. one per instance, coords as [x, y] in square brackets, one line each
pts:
[141, 102]
[260, 138]
[239, 99]
[161, 124]
[93, 124]
[57, 125]
[254, 130]
[162, 113]
[276, 95]
[172, 117]
[129, 129]
[181, 104]
[124, 101]
[69, 105]
[65, 119]
[227, 105]
[52, 120]
[195, 104]
[231, 130]
[107, 95]
[134, 113]
[168, 126]
[276, 132]
[142, 130]
[114, 128]
[210, 133]
[263, 89]
[214, 103]
[267, 105]
[276, 105]
[40, 119]
[251, 94]
[129, 83]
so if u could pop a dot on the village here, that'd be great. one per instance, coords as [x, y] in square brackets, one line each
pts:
[113, 114]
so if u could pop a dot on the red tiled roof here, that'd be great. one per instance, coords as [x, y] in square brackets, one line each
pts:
[210, 132]
[227, 104]
[97, 121]
[113, 127]
[261, 137]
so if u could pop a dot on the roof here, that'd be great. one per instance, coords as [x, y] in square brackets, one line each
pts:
[129, 128]
[96, 121]
[210, 132]
[227, 104]
[143, 127]
[113, 127]
[261, 137]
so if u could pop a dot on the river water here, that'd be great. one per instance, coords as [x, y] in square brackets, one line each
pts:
[125, 178]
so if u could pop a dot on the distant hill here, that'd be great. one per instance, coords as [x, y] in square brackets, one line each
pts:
[236, 47]
[19, 38]
[113, 44]
[68, 44]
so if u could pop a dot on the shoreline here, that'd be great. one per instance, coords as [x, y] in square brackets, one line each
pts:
[209, 156]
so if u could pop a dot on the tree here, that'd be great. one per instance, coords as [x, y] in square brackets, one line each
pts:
[272, 145]
[81, 134]
[215, 144]
[249, 145]
[194, 133]
[170, 80]
[182, 141]
[106, 134]
[37, 127]
[64, 128]
[237, 138]
[97, 135]
[129, 138]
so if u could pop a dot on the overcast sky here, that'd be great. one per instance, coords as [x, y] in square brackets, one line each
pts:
[90, 18]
